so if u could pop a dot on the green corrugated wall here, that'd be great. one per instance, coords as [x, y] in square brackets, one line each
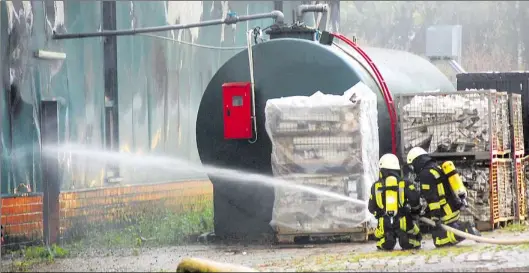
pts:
[160, 83]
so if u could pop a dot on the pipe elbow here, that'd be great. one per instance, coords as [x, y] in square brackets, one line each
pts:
[322, 8]
[312, 8]
[278, 16]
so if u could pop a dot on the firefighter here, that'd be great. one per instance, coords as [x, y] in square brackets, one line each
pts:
[444, 192]
[394, 201]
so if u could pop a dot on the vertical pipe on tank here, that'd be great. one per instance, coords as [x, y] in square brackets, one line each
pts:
[252, 81]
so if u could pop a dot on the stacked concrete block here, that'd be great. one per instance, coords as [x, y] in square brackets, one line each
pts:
[505, 189]
[456, 122]
[324, 142]
[517, 124]
[526, 180]
[477, 181]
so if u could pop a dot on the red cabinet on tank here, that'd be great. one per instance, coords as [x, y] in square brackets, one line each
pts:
[237, 105]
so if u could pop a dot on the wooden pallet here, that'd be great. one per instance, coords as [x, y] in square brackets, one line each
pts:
[289, 236]
[520, 188]
[494, 202]
[488, 226]
[504, 222]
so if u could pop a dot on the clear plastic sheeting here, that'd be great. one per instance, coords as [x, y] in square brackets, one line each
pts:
[327, 142]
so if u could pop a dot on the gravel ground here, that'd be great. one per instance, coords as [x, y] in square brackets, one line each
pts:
[466, 257]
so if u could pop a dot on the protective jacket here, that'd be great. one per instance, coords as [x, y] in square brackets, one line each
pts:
[401, 224]
[442, 202]
[443, 205]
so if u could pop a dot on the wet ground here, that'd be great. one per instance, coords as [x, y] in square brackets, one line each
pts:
[468, 256]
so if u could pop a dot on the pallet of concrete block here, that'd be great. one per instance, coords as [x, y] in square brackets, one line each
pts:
[319, 114]
[316, 154]
[353, 148]
[520, 191]
[525, 161]
[515, 101]
[502, 123]
[473, 121]
[314, 121]
[505, 189]
[476, 179]
[310, 204]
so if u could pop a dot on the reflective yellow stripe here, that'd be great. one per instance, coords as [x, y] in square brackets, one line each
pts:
[435, 173]
[448, 219]
[381, 242]
[370, 197]
[433, 206]
[442, 201]
[448, 210]
[441, 189]
[402, 223]
[412, 187]
[379, 231]
[439, 241]
[425, 186]
[415, 230]
[378, 196]
[451, 237]
[414, 242]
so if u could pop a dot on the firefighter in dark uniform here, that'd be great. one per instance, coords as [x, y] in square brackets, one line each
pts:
[394, 202]
[443, 190]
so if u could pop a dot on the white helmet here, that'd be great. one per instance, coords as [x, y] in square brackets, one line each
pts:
[389, 162]
[414, 153]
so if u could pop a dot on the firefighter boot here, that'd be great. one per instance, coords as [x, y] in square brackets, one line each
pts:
[387, 242]
[409, 241]
[469, 228]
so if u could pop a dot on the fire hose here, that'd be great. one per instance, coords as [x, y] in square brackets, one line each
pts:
[518, 241]
[203, 265]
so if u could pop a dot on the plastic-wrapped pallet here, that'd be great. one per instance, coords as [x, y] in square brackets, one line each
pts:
[328, 142]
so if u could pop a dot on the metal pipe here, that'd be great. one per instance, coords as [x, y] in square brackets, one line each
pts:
[230, 19]
[456, 66]
[252, 81]
[302, 9]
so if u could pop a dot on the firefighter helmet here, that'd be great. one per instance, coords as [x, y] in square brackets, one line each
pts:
[389, 162]
[414, 153]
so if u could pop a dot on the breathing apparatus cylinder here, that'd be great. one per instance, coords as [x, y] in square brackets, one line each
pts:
[454, 179]
[392, 204]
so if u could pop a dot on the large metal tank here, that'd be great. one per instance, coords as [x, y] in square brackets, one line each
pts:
[290, 67]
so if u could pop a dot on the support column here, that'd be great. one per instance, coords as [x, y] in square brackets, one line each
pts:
[49, 131]
[111, 88]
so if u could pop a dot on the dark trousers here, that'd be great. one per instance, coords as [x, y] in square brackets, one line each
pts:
[443, 238]
[402, 229]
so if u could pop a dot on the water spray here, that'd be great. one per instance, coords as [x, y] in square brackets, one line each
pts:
[169, 163]
[177, 164]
